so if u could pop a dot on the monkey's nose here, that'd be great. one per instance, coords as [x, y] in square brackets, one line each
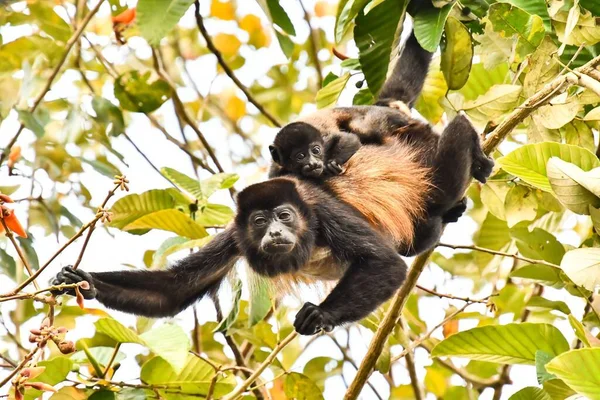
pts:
[313, 165]
[274, 234]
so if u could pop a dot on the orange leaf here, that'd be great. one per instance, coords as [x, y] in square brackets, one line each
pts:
[80, 299]
[126, 17]
[14, 155]
[450, 327]
[5, 198]
[13, 223]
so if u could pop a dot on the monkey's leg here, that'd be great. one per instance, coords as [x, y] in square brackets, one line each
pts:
[407, 79]
[427, 235]
[457, 160]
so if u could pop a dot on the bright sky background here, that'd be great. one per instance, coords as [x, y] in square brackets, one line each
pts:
[109, 250]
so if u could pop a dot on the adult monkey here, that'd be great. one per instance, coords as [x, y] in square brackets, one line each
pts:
[292, 229]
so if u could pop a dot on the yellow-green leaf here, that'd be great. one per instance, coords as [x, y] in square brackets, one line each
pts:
[582, 266]
[505, 344]
[457, 54]
[574, 188]
[580, 369]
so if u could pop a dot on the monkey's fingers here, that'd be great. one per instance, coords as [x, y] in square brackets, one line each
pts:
[334, 168]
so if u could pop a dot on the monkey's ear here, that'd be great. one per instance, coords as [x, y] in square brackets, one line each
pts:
[275, 154]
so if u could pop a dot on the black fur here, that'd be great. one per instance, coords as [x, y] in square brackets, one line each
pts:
[302, 150]
[373, 269]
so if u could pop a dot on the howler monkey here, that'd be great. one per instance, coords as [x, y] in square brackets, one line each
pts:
[279, 226]
[405, 187]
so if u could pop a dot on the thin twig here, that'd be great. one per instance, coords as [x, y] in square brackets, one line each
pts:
[72, 40]
[410, 364]
[227, 69]
[242, 388]
[498, 253]
[451, 297]
[314, 50]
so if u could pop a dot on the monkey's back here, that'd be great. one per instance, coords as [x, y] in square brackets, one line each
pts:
[388, 185]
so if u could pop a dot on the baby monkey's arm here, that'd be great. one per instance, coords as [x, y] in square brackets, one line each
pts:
[340, 147]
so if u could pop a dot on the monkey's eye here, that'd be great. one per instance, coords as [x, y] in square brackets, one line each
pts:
[285, 216]
[316, 150]
[260, 221]
[300, 156]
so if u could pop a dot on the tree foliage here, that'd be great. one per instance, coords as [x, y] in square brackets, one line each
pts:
[183, 98]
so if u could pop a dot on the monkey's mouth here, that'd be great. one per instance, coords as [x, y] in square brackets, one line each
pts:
[278, 247]
[313, 172]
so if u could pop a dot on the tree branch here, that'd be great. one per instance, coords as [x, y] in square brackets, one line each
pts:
[227, 69]
[70, 43]
[314, 50]
[499, 253]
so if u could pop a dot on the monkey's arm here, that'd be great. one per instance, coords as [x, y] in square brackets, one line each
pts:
[339, 148]
[374, 273]
[166, 292]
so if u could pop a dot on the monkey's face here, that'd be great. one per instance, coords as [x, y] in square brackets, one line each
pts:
[308, 160]
[274, 231]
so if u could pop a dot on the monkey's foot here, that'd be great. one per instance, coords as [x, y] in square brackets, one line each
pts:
[453, 214]
[311, 319]
[482, 167]
[401, 106]
[70, 276]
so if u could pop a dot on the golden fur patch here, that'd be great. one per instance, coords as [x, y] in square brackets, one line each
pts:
[387, 185]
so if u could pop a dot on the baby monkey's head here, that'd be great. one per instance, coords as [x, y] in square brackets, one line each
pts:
[298, 148]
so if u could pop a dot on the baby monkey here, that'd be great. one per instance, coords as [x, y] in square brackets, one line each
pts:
[300, 149]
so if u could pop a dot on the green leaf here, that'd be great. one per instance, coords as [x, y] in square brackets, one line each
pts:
[109, 115]
[429, 25]
[580, 369]
[300, 387]
[493, 104]
[169, 220]
[195, 378]
[538, 244]
[543, 67]
[279, 16]
[30, 122]
[328, 95]
[137, 93]
[231, 317]
[156, 18]
[434, 90]
[481, 79]
[591, 5]
[319, 369]
[170, 342]
[190, 185]
[539, 302]
[541, 359]
[534, 7]
[579, 330]
[216, 182]
[575, 189]
[520, 205]
[363, 97]
[260, 301]
[528, 162]
[582, 266]
[558, 390]
[167, 341]
[56, 372]
[530, 393]
[347, 11]
[285, 43]
[8, 265]
[509, 21]
[49, 21]
[494, 49]
[131, 207]
[544, 274]
[505, 344]
[457, 54]
[375, 35]
[214, 215]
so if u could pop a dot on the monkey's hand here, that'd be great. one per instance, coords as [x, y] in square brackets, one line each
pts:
[311, 319]
[453, 214]
[334, 168]
[69, 276]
